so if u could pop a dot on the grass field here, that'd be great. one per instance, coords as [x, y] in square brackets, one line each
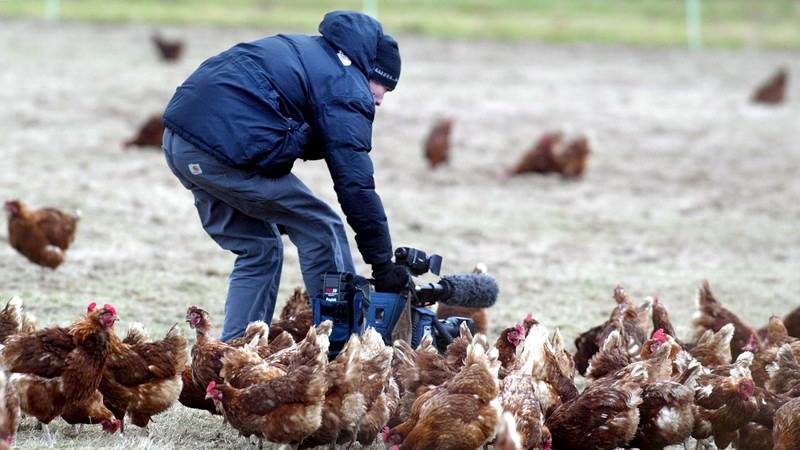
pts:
[726, 23]
[688, 181]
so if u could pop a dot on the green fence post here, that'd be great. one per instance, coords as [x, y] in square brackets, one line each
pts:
[370, 7]
[52, 10]
[694, 34]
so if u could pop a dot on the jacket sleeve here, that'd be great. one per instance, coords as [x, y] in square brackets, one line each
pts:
[346, 126]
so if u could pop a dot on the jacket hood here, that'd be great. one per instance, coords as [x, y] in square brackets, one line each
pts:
[356, 34]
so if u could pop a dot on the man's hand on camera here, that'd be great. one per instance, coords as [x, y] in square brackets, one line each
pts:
[390, 277]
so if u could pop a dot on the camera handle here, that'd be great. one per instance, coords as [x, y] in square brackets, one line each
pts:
[442, 333]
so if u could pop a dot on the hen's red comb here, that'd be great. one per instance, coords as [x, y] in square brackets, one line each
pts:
[385, 432]
[659, 335]
[92, 306]
[656, 300]
[212, 385]
[529, 316]
[110, 308]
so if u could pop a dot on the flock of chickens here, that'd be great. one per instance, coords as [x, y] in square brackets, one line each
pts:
[559, 153]
[553, 152]
[648, 389]
[732, 385]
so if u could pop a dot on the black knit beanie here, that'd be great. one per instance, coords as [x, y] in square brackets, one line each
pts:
[387, 63]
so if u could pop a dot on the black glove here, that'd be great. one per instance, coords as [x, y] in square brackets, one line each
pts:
[390, 277]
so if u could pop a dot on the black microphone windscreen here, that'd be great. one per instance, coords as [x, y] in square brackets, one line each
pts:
[475, 290]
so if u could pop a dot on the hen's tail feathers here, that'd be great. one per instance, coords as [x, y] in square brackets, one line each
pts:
[11, 317]
[28, 323]
[480, 352]
[688, 376]
[136, 334]
[720, 338]
[621, 296]
[52, 256]
[705, 298]
[256, 329]
[404, 354]
[323, 329]
[296, 303]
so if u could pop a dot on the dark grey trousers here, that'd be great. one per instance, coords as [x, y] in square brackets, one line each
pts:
[241, 211]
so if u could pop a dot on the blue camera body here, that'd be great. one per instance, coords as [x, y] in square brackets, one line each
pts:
[344, 300]
[383, 313]
[347, 301]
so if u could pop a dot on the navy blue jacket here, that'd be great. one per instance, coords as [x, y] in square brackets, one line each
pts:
[261, 105]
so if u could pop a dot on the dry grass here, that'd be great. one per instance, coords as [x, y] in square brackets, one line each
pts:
[688, 181]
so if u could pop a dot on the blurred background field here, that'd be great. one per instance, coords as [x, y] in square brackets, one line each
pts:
[688, 179]
[725, 23]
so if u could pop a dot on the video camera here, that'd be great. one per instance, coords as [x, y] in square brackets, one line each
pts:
[349, 301]
[417, 261]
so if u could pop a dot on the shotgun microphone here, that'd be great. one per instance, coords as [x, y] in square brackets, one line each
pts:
[475, 290]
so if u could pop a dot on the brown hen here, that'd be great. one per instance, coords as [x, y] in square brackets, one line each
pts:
[460, 414]
[555, 153]
[540, 158]
[520, 395]
[573, 156]
[143, 379]
[605, 414]
[666, 415]
[774, 336]
[792, 323]
[418, 371]
[728, 403]
[784, 372]
[281, 408]
[59, 366]
[206, 363]
[714, 349]
[150, 134]
[786, 433]
[509, 340]
[773, 90]
[41, 235]
[168, 50]
[344, 403]
[626, 315]
[711, 315]
[437, 144]
[377, 387]
[296, 317]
